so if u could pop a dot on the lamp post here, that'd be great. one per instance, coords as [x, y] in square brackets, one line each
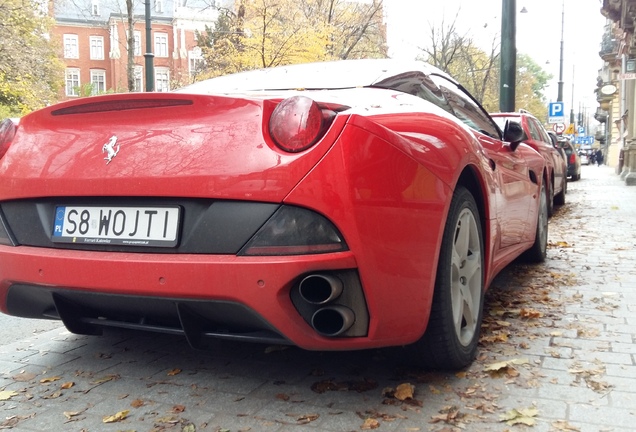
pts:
[508, 59]
[560, 88]
[150, 69]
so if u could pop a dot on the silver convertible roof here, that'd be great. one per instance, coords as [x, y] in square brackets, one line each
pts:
[312, 76]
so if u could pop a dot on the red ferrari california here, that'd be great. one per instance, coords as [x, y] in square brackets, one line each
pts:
[332, 206]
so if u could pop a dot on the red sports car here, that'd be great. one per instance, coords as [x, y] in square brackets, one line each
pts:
[538, 139]
[332, 206]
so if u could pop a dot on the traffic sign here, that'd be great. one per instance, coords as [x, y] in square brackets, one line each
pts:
[569, 130]
[558, 128]
[584, 139]
[556, 113]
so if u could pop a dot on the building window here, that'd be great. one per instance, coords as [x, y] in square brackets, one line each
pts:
[137, 36]
[72, 82]
[196, 62]
[161, 45]
[71, 49]
[162, 79]
[97, 48]
[98, 81]
[158, 6]
[95, 7]
[139, 79]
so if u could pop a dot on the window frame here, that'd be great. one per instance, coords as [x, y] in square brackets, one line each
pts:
[139, 78]
[159, 73]
[161, 44]
[96, 52]
[71, 46]
[101, 73]
[73, 90]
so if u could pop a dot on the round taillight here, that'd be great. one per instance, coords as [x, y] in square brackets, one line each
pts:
[7, 132]
[296, 124]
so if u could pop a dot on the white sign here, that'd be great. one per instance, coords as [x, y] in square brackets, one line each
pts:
[558, 128]
[627, 76]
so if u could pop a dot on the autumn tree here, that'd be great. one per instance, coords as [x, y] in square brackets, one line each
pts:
[268, 33]
[30, 72]
[532, 81]
[355, 29]
[477, 69]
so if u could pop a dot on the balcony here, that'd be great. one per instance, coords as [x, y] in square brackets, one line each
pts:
[609, 47]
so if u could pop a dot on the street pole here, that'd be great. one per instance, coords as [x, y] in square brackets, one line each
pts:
[572, 109]
[508, 61]
[150, 69]
[560, 88]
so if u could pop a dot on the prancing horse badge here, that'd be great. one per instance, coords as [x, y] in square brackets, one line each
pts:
[111, 148]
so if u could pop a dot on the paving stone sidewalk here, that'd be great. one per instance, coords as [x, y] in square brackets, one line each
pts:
[558, 353]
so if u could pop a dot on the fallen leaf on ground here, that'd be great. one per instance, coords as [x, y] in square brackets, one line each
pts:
[504, 364]
[370, 424]
[50, 379]
[530, 313]
[117, 417]
[105, 379]
[67, 385]
[305, 418]
[562, 425]
[7, 394]
[53, 395]
[23, 377]
[174, 372]
[519, 416]
[404, 391]
[137, 403]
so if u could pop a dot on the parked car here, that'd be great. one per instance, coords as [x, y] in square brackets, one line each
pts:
[572, 157]
[539, 140]
[371, 208]
[585, 157]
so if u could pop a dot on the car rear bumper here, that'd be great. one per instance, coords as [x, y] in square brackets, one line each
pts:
[199, 296]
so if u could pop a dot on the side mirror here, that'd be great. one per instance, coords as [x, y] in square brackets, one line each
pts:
[514, 134]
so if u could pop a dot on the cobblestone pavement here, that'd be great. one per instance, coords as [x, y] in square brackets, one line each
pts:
[557, 353]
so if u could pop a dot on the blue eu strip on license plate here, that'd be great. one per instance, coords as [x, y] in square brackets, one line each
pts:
[129, 226]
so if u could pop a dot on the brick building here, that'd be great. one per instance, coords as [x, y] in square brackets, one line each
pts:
[93, 38]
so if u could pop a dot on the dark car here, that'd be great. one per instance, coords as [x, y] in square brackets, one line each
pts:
[572, 158]
[538, 139]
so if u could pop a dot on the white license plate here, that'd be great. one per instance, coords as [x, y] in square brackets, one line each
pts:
[130, 226]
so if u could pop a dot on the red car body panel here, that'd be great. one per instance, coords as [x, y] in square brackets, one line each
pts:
[383, 175]
[555, 164]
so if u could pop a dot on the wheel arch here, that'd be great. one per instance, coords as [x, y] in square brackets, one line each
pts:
[471, 179]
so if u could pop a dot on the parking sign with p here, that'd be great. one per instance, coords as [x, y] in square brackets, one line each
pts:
[556, 113]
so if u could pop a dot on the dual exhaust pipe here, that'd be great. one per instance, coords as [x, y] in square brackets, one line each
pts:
[321, 290]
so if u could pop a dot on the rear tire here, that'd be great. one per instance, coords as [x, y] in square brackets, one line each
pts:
[559, 199]
[537, 252]
[452, 334]
[550, 199]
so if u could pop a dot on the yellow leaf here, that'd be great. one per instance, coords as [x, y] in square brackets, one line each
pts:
[7, 394]
[50, 379]
[521, 416]
[70, 414]
[404, 391]
[67, 385]
[174, 372]
[504, 364]
[117, 417]
[370, 424]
